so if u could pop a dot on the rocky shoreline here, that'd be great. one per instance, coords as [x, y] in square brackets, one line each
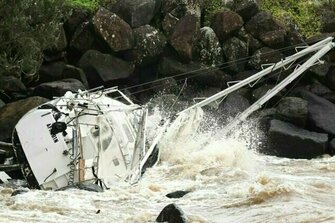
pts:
[133, 42]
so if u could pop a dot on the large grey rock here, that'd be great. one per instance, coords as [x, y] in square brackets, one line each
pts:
[293, 110]
[77, 17]
[171, 214]
[319, 89]
[252, 43]
[11, 113]
[168, 23]
[51, 71]
[115, 31]
[149, 44]
[274, 39]
[328, 21]
[177, 194]
[233, 104]
[262, 23]
[321, 112]
[200, 74]
[265, 55]
[330, 77]
[11, 84]
[135, 12]
[208, 48]
[58, 88]
[235, 50]
[73, 72]
[184, 35]
[246, 8]
[83, 38]
[104, 69]
[287, 140]
[226, 23]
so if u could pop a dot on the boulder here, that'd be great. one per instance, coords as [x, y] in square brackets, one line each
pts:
[184, 35]
[318, 89]
[11, 113]
[77, 17]
[202, 75]
[171, 214]
[246, 8]
[2, 103]
[73, 72]
[226, 23]
[252, 43]
[287, 140]
[149, 44]
[51, 71]
[177, 194]
[273, 39]
[104, 69]
[332, 147]
[264, 55]
[10, 84]
[328, 21]
[135, 12]
[235, 50]
[293, 110]
[208, 49]
[168, 23]
[233, 104]
[262, 90]
[83, 38]
[262, 23]
[115, 31]
[330, 77]
[321, 112]
[58, 88]
[320, 70]
[19, 191]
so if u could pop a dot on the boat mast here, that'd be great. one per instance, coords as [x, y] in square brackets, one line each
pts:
[326, 44]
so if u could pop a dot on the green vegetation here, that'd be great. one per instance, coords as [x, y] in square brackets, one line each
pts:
[88, 4]
[27, 28]
[303, 15]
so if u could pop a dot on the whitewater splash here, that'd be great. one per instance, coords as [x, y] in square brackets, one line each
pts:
[227, 179]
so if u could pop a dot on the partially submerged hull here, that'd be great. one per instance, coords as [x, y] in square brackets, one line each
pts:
[84, 137]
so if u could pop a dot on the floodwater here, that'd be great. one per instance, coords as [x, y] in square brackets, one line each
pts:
[228, 180]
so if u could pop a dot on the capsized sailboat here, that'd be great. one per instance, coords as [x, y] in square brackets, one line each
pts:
[90, 136]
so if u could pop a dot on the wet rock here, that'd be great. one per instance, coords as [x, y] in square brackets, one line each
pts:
[171, 214]
[9, 84]
[58, 88]
[320, 70]
[149, 44]
[19, 191]
[235, 50]
[77, 17]
[321, 112]
[262, 23]
[177, 194]
[226, 23]
[273, 39]
[252, 43]
[208, 49]
[287, 140]
[83, 38]
[244, 74]
[318, 89]
[233, 104]
[51, 71]
[293, 110]
[246, 8]
[11, 113]
[135, 12]
[168, 23]
[330, 77]
[262, 90]
[264, 55]
[203, 75]
[184, 35]
[115, 31]
[2, 103]
[104, 69]
[328, 21]
[75, 73]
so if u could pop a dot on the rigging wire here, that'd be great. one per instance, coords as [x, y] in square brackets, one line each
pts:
[220, 66]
